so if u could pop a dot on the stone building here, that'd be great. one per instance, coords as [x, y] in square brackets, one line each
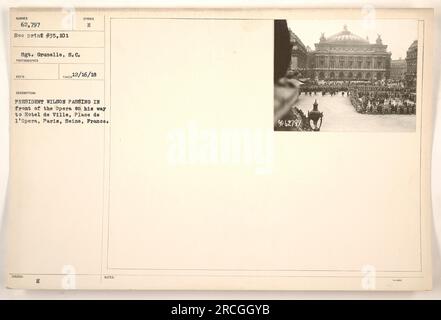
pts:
[347, 56]
[398, 69]
[411, 64]
[298, 55]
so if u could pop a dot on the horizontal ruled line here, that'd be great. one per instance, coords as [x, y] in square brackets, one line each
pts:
[59, 47]
[220, 275]
[36, 30]
[56, 79]
[58, 63]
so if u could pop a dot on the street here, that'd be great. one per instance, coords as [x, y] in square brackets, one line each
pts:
[340, 115]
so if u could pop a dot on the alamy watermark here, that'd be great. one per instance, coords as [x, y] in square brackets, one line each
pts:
[194, 145]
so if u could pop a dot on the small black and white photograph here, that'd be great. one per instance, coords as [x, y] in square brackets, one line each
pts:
[345, 75]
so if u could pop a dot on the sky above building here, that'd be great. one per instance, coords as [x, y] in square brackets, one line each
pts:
[398, 35]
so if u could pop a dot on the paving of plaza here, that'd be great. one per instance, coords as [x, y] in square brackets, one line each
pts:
[340, 115]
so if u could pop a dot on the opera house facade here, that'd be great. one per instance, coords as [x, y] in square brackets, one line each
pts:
[347, 56]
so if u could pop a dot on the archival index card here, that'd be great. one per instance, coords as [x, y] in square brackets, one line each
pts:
[220, 149]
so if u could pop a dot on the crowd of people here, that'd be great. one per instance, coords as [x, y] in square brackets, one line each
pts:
[378, 97]
[383, 100]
